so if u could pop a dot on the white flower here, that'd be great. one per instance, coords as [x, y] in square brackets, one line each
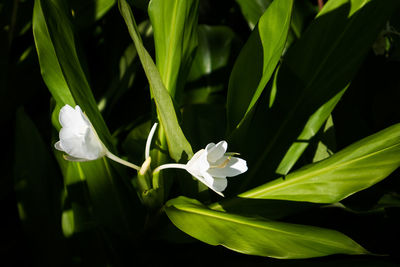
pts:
[212, 165]
[78, 138]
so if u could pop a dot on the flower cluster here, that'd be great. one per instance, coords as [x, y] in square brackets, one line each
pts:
[211, 166]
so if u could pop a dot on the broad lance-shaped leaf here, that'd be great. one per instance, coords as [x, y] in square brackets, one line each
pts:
[314, 73]
[350, 170]
[38, 189]
[177, 143]
[253, 9]
[252, 72]
[210, 67]
[49, 63]
[56, 44]
[63, 74]
[256, 236]
[175, 38]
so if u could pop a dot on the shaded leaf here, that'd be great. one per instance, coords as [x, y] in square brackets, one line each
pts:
[38, 187]
[217, 48]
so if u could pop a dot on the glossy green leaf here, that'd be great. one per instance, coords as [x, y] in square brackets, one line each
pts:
[214, 54]
[251, 73]
[60, 64]
[257, 236]
[87, 183]
[177, 144]
[49, 63]
[252, 10]
[175, 37]
[327, 144]
[267, 208]
[350, 170]
[311, 79]
[315, 122]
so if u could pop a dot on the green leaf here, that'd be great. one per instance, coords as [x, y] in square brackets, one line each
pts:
[175, 37]
[87, 183]
[311, 79]
[314, 122]
[38, 188]
[251, 73]
[177, 144]
[207, 77]
[252, 10]
[352, 169]
[257, 236]
[49, 63]
[60, 64]
[327, 143]
[267, 208]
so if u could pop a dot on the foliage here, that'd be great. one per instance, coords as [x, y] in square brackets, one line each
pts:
[306, 94]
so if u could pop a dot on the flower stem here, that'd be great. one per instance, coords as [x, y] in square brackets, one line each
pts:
[148, 141]
[170, 166]
[121, 161]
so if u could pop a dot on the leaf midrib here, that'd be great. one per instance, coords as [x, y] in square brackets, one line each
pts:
[290, 181]
[213, 214]
[172, 40]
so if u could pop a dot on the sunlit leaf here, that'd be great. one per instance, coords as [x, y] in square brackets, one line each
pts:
[177, 143]
[350, 170]
[252, 72]
[256, 236]
[175, 37]
[87, 183]
[311, 79]
[253, 9]
[60, 64]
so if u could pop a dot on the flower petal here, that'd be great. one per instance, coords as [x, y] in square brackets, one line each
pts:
[233, 166]
[93, 147]
[71, 158]
[216, 151]
[208, 180]
[66, 115]
[220, 184]
[78, 138]
[58, 146]
[198, 163]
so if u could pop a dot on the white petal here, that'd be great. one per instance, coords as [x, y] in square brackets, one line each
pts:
[220, 184]
[93, 147]
[66, 115]
[58, 146]
[233, 167]
[208, 180]
[77, 136]
[198, 163]
[216, 151]
[71, 158]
